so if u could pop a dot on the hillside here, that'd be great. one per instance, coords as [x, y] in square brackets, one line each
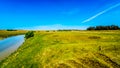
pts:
[67, 49]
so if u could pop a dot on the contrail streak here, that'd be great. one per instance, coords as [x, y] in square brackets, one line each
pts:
[100, 13]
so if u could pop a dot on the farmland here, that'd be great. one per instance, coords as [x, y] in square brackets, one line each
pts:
[67, 49]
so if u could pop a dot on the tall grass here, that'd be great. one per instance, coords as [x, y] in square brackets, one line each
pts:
[5, 33]
[76, 49]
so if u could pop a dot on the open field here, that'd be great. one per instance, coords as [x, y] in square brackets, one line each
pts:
[5, 33]
[71, 49]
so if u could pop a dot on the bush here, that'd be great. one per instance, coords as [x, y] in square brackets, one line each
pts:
[29, 34]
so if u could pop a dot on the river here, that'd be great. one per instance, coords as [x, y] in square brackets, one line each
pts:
[10, 45]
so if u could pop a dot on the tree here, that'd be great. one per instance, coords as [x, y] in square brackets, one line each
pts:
[91, 28]
[112, 27]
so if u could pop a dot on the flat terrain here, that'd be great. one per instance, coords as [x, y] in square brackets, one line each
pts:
[70, 49]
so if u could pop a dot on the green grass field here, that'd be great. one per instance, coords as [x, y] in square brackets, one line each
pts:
[71, 49]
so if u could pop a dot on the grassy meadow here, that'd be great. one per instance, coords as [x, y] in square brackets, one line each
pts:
[67, 49]
[5, 33]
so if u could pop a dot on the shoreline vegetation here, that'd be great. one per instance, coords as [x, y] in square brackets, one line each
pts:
[66, 49]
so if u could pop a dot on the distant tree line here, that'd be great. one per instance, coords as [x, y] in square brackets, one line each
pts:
[111, 27]
[11, 30]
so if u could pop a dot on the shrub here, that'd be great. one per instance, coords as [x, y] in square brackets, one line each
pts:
[29, 34]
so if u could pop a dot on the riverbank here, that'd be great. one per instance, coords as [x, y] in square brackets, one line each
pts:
[5, 33]
[87, 49]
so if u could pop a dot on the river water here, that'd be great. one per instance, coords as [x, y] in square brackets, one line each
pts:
[9, 45]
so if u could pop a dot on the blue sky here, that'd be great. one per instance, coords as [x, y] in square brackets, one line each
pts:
[58, 14]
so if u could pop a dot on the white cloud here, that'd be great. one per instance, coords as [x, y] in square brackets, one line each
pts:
[100, 13]
[53, 27]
